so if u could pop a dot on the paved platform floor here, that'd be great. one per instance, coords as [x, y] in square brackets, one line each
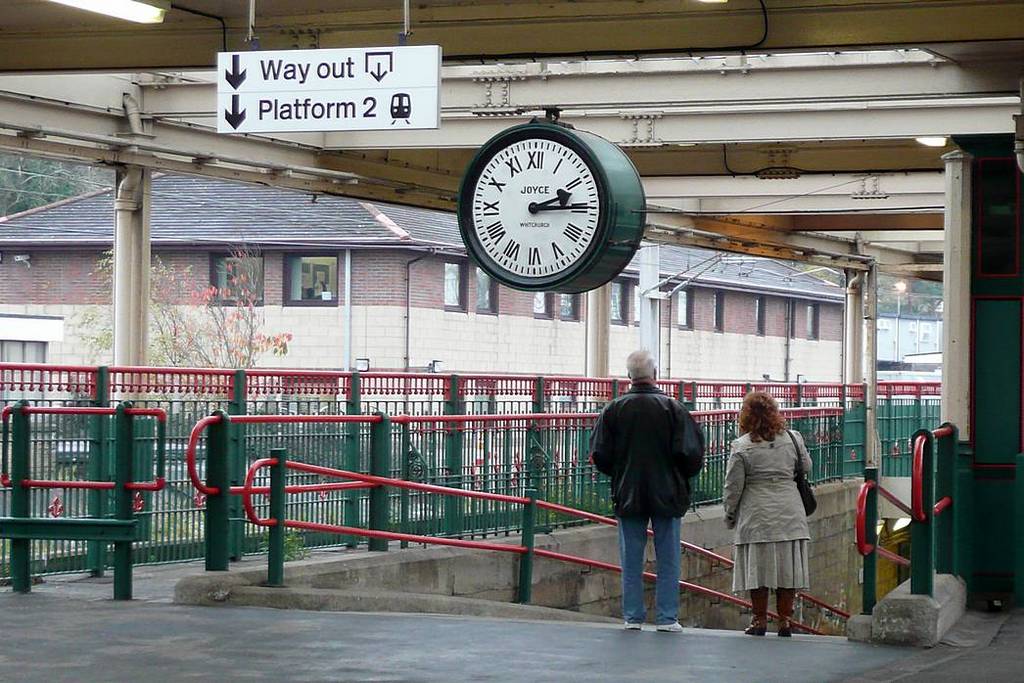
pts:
[69, 630]
[50, 638]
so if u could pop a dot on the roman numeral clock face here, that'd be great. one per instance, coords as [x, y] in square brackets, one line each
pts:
[535, 209]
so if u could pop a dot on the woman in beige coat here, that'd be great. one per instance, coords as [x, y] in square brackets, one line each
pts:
[763, 505]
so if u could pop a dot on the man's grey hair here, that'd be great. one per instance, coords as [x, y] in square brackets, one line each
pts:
[640, 365]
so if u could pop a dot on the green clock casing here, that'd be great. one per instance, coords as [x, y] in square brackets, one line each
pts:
[544, 207]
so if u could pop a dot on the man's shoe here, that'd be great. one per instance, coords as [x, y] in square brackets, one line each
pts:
[674, 627]
[633, 626]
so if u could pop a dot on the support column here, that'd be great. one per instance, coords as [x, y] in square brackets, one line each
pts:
[131, 266]
[853, 330]
[650, 308]
[599, 304]
[872, 457]
[956, 293]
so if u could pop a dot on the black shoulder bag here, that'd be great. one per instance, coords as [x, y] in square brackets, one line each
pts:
[802, 485]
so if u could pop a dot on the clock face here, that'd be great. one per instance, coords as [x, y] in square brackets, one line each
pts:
[535, 208]
[545, 207]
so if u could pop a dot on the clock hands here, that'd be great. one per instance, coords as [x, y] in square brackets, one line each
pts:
[566, 207]
[562, 199]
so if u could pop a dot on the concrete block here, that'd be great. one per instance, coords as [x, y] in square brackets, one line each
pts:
[858, 628]
[901, 618]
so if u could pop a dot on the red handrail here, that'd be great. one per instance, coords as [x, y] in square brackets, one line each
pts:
[917, 480]
[942, 505]
[860, 526]
[510, 417]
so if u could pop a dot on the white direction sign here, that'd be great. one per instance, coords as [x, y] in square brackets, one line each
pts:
[377, 88]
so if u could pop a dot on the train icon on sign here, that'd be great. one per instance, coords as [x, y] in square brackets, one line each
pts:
[401, 107]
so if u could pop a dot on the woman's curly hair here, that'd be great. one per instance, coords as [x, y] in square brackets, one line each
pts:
[760, 417]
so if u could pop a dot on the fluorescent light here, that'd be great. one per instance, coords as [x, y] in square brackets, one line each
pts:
[141, 11]
[713, 2]
[932, 141]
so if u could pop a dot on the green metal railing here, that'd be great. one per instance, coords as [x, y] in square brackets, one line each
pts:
[484, 457]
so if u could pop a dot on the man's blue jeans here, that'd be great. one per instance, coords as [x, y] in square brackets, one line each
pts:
[632, 542]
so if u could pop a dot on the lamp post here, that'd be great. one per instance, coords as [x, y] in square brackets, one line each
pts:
[900, 287]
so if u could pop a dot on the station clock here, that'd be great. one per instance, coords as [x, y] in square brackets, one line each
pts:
[545, 207]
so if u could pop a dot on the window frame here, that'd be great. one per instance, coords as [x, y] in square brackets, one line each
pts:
[286, 280]
[575, 315]
[549, 308]
[220, 256]
[493, 289]
[686, 309]
[623, 303]
[791, 306]
[813, 321]
[463, 304]
[719, 311]
[760, 314]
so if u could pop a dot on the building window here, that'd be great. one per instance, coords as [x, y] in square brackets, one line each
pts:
[637, 303]
[237, 278]
[791, 312]
[926, 332]
[684, 309]
[542, 307]
[21, 352]
[311, 280]
[719, 311]
[759, 314]
[454, 286]
[569, 306]
[620, 301]
[486, 293]
[812, 321]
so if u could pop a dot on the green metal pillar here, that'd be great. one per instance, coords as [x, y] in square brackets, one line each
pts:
[350, 499]
[124, 452]
[870, 585]
[1018, 541]
[237, 467]
[21, 469]
[799, 395]
[275, 553]
[526, 559]
[453, 505]
[538, 395]
[218, 448]
[380, 452]
[99, 444]
[692, 403]
[945, 466]
[922, 533]
[616, 389]
[964, 514]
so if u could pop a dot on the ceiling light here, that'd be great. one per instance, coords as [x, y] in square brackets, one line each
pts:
[713, 2]
[932, 141]
[141, 11]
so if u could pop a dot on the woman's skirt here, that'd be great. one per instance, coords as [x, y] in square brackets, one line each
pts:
[778, 564]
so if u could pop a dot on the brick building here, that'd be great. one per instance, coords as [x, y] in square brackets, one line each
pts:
[414, 296]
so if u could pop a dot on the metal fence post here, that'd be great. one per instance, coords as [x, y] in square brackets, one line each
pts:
[870, 585]
[237, 466]
[218, 445]
[1018, 543]
[526, 559]
[380, 458]
[799, 395]
[275, 550]
[692, 403]
[350, 499]
[922, 551]
[21, 468]
[124, 451]
[406, 470]
[538, 395]
[945, 463]
[964, 512]
[615, 389]
[97, 470]
[453, 523]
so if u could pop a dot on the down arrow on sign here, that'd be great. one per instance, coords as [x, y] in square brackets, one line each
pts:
[235, 116]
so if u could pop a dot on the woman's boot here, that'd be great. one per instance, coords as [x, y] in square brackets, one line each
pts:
[784, 604]
[759, 601]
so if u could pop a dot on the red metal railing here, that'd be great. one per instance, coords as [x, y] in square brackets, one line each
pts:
[158, 380]
[5, 479]
[247, 491]
[73, 379]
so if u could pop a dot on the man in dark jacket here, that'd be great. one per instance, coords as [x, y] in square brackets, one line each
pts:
[649, 445]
